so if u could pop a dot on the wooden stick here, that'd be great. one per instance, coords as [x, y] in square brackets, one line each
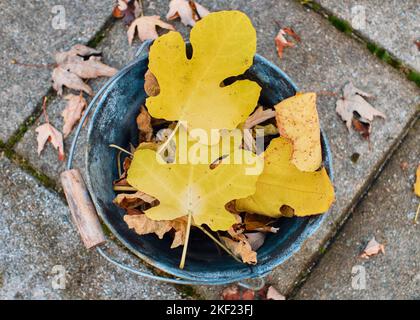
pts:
[82, 210]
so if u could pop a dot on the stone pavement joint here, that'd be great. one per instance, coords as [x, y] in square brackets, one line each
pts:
[373, 46]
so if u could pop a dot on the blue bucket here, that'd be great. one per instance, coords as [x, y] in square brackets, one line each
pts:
[114, 122]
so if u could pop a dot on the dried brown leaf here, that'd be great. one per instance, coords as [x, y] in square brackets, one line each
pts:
[144, 125]
[241, 249]
[73, 112]
[259, 115]
[61, 77]
[373, 248]
[189, 12]
[88, 69]
[133, 200]
[281, 41]
[47, 133]
[78, 50]
[353, 101]
[128, 10]
[151, 86]
[143, 225]
[146, 28]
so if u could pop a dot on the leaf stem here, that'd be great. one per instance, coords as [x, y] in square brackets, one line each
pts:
[124, 188]
[218, 242]
[187, 237]
[121, 149]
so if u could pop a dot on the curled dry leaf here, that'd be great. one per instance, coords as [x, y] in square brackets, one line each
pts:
[133, 200]
[273, 294]
[128, 10]
[257, 222]
[146, 28]
[297, 120]
[47, 132]
[151, 86]
[281, 41]
[62, 77]
[372, 249]
[417, 183]
[241, 249]
[144, 125]
[142, 225]
[259, 115]
[282, 183]
[188, 11]
[353, 101]
[73, 112]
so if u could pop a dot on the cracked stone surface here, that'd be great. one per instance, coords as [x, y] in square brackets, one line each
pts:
[29, 35]
[392, 24]
[386, 213]
[323, 62]
[36, 235]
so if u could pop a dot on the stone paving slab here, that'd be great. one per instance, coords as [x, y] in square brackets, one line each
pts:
[36, 235]
[27, 35]
[387, 213]
[324, 61]
[392, 24]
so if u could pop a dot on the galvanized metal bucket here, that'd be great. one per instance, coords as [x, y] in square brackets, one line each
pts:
[114, 122]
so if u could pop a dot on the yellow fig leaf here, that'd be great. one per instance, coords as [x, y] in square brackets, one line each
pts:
[297, 120]
[194, 189]
[281, 183]
[223, 46]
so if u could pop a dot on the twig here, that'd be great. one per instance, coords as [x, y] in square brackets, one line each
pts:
[124, 188]
[218, 242]
[44, 110]
[121, 149]
[187, 237]
[33, 65]
[417, 214]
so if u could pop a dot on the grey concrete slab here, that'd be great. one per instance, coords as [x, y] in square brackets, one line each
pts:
[392, 24]
[324, 61]
[37, 241]
[387, 213]
[29, 35]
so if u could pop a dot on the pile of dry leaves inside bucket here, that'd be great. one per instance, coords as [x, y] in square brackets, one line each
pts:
[231, 183]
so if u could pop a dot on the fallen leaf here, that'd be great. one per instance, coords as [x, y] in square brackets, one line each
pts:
[257, 222]
[353, 101]
[281, 183]
[188, 11]
[122, 180]
[133, 200]
[190, 89]
[47, 132]
[151, 86]
[88, 69]
[183, 188]
[297, 120]
[143, 225]
[73, 112]
[260, 115]
[231, 293]
[281, 41]
[128, 10]
[417, 183]
[146, 28]
[362, 128]
[78, 50]
[372, 249]
[241, 249]
[144, 125]
[62, 77]
[273, 294]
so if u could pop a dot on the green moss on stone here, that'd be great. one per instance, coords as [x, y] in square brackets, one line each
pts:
[340, 24]
[414, 76]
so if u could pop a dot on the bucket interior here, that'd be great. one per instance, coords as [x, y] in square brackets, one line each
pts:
[114, 122]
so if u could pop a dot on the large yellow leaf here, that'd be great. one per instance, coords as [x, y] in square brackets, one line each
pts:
[184, 189]
[281, 183]
[224, 44]
[297, 119]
